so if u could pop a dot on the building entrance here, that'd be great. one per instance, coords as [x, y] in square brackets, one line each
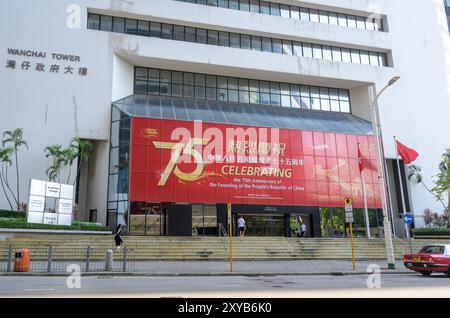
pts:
[264, 225]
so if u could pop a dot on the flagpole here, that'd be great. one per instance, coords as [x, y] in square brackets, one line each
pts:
[366, 211]
[363, 181]
[408, 236]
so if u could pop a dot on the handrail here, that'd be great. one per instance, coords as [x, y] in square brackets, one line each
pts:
[222, 230]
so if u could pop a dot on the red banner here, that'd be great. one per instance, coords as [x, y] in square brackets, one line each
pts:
[180, 161]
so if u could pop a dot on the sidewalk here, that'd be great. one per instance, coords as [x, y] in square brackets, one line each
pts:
[245, 268]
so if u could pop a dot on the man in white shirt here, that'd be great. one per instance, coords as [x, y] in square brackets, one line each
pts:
[302, 229]
[241, 226]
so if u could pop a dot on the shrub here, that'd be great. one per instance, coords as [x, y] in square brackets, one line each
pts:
[11, 214]
[433, 231]
[21, 223]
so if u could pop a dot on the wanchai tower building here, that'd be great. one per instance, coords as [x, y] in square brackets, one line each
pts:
[193, 104]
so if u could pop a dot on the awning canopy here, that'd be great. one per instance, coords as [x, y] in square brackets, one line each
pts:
[162, 107]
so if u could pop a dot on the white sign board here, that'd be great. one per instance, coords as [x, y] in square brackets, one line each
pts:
[50, 218]
[348, 208]
[52, 190]
[36, 203]
[65, 206]
[349, 217]
[40, 192]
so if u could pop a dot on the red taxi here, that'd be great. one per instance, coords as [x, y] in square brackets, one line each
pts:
[430, 259]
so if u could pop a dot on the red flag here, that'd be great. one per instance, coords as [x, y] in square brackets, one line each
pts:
[361, 163]
[408, 155]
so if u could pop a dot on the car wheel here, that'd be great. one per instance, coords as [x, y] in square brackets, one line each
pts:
[448, 272]
[426, 274]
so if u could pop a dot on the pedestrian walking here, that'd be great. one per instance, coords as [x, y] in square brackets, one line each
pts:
[118, 237]
[302, 229]
[241, 226]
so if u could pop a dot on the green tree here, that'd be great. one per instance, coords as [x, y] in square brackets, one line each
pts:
[14, 138]
[84, 153]
[415, 173]
[56, 153]
[443, 180]
[5, 161]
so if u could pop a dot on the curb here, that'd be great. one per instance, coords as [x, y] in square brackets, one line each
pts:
[219, 274]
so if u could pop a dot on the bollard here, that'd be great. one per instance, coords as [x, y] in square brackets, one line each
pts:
[88, 258]
[109, 260]
[50, 259]
[125, 254]
[10, 258]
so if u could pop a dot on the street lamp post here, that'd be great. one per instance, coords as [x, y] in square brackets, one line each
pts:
[381, 174]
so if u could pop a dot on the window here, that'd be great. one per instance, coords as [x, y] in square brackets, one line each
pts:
[355, 57]
[307, 50]
[256, 43]
[323, 17]
[105, 23]
[287, 47]
[202, 36]
[284, 10]
[276, 46]
[166, 31]
[93, 21]
[246, 42]
[143, 28]
[178, 33]
[327, 52]
[119, 25]
[130, 26]
[265, 7]
[275, 9]
[297, 46]
[213, 37]
[224, 39]
[314, 15]
[333, 18]
[317, 51]
[254, 6]
[155, 29]
[234, 40]
[295, 13]
[234, 4]
[244, 5]
[351, 21]
[342, 19]
[360, 23]
[266, 45]
[336, 52]
[189, 34]
[304, 14]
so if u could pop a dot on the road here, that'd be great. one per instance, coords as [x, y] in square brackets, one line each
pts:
[392, 285]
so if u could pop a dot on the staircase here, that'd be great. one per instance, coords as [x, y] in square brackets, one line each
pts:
[206, 248]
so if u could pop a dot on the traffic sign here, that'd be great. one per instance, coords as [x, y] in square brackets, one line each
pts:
[408, 218]
[349, 217]
[348, 208]
[348, 201]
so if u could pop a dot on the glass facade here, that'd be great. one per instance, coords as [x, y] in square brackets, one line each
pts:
[118, 185]
[235, 40]
[296, 12]
[239, 90]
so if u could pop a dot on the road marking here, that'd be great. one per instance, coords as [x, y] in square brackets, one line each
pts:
[39, 289]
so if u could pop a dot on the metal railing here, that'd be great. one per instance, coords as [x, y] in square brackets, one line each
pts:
[222, 230]
[57, 259]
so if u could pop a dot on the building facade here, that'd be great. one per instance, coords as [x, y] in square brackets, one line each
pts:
[195, 104]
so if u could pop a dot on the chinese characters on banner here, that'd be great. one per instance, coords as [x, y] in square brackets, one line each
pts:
[180, 161]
